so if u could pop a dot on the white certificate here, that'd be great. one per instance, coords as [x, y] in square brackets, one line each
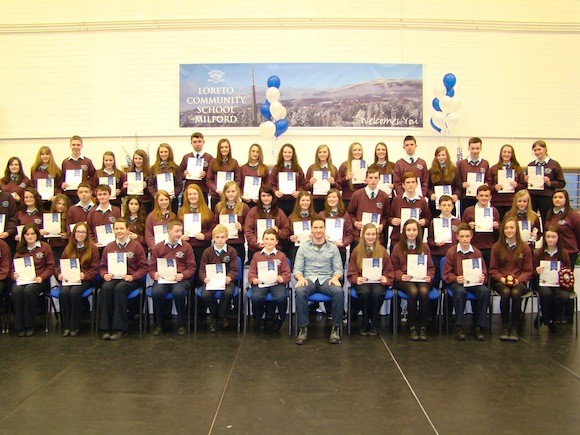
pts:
[2, 222]
[222, 177]
[71, 271]
[525, 230]
[167, 269]
[504, 178]
[261, 226]
[229, 221]
[45, 188]
[386, 183]
[335, 229]
[474, 179]
[267, 273]
[24, 267]
[51, 223]
[483, 219]
[252, 187]
[359, 171]
[217, 276]
[370, 218]
[192, 224]
[112, 183]
[302, 230]
[321, 186]
[135, 183]
[287, 182]
[165, 182]
[104, 234]
[194, 168]
[72, 178]
[549, 277]
[535, 177]
[372, 269]
[19, 229]
[417, 267]
[409, 213]
[117, 264]
[442, 230]
[471, 271]
[440, 191]
[160, 233]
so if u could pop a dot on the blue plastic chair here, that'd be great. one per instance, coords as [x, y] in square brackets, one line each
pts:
[55, 294]
[138, 292]
[168, 297]
[389, 296]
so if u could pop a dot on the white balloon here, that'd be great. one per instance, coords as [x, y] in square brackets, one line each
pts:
[439, 120]
[277, 110]
[455, 104]
[451, 120]
[445, 103]
[439, 91]
[267, 129]
[272, 95]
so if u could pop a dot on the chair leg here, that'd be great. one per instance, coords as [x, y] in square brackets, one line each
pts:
[395, 314]
[194, 311]
[348, 316]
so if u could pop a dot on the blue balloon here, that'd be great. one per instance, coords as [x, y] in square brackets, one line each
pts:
[436, 104]
[265, 110]
[273, 82]
[437, 129]
[449, 81]
[281, 127]
[450, 93]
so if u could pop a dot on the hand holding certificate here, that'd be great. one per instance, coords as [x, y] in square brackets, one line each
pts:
[104, 234]
[215, 276]
[287, 182]
[483, 219]
[536, 177]
[229, 221]
[267, 273]
[386, 184]
[321, 186]
[409, 213]
[222, 177]
[504, 178]
[261, 226]
[252, 187]
[302, 231]
[474, 179]
[72, 178]
[359, 171]
[112, 183]
[335, 229]
[550, 276]
[442, 230]
[191, 224]
[51, 223]
[472, 272]
[165, 182]
[372, 270]
[25, 269]
[160, 233]
[167, 270]
[194, 168]
[117, 264]
[71, 271]
[135, 183]
[417, 267]
[45, 188]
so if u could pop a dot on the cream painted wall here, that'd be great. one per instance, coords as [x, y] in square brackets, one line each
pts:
[108, 70]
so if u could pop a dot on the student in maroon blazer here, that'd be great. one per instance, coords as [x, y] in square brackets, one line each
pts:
[134, 214]
[255, 167]
[78, 212]
[567, 220]
[474, 164]
[507, 161]
[408, 199]
[25, 296]
[371, 295]
[5, 268]
[161, 215]
[552, 299]
[370, 200]
[322, 162]
[553, 178]
[442, 173]
[165, 164]
[43, 168]
[302, 214]
[277, 290]
[223, 162]
[232, 208]
[334, 209]
[355, 152]
[417, 288]
[454, 276]
[84, 250]
[410, 163]
[182, 254]
[197, 142]
[287, 161]
[267, 208]
[113, 320]
[385, 166]
[77, 161]
[528, 220]
[30, 210]
[219, 253]
[140, 165]
[109, 169]
[9, 210]
[511, 267]
[14, 180]
[104, 213]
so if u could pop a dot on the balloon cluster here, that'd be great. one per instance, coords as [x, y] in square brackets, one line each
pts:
[273, 111]
[446, 105]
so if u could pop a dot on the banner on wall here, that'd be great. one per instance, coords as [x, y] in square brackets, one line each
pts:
[314, 94]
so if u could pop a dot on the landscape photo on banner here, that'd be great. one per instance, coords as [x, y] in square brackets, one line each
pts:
[314, 94]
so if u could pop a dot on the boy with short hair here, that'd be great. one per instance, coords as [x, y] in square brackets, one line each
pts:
[77, 161]
[197, 142]
[219, 253]
[104, 213]
[455, 278]
[474, 164]
[410, 163]
[80, 211]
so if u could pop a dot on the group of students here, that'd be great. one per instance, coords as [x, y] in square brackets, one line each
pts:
[225, 207]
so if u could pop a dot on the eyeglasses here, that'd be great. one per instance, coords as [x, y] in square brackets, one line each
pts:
[80, 232]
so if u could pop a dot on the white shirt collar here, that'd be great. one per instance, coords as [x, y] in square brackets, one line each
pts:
[274, 251]
[223, 248]
[90, 204]
[36, 245]
[405, 196]
[79, 158]
[408, 158]
[368, 191]
[546, 161]
[551, 253]
[168, 243]
[470, 249]
[104, 210]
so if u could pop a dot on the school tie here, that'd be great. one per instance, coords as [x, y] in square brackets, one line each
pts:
[412, 160]
[372, 195]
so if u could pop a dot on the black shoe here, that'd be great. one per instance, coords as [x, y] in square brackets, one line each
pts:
[363, 331]
[106, 336]
[118, 335]
[413, 334]
[181, 331]
[74, 332]
[213, 326]
[552, 327]
[302, 335]
[157, 330]
[225, 323]
[277, 324]
[479, 334]
[460, 333]
[514, 334]
[21, 333]
[66, 333]
[29, 332]
[505, 333]
[373, 331]
[423, 334]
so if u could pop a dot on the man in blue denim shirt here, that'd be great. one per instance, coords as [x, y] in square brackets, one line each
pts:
[318, 269]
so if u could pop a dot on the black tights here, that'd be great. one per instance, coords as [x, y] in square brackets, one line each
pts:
[515, 295]
[416, 291]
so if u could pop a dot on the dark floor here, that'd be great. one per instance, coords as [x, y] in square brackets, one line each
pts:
[262, 383]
